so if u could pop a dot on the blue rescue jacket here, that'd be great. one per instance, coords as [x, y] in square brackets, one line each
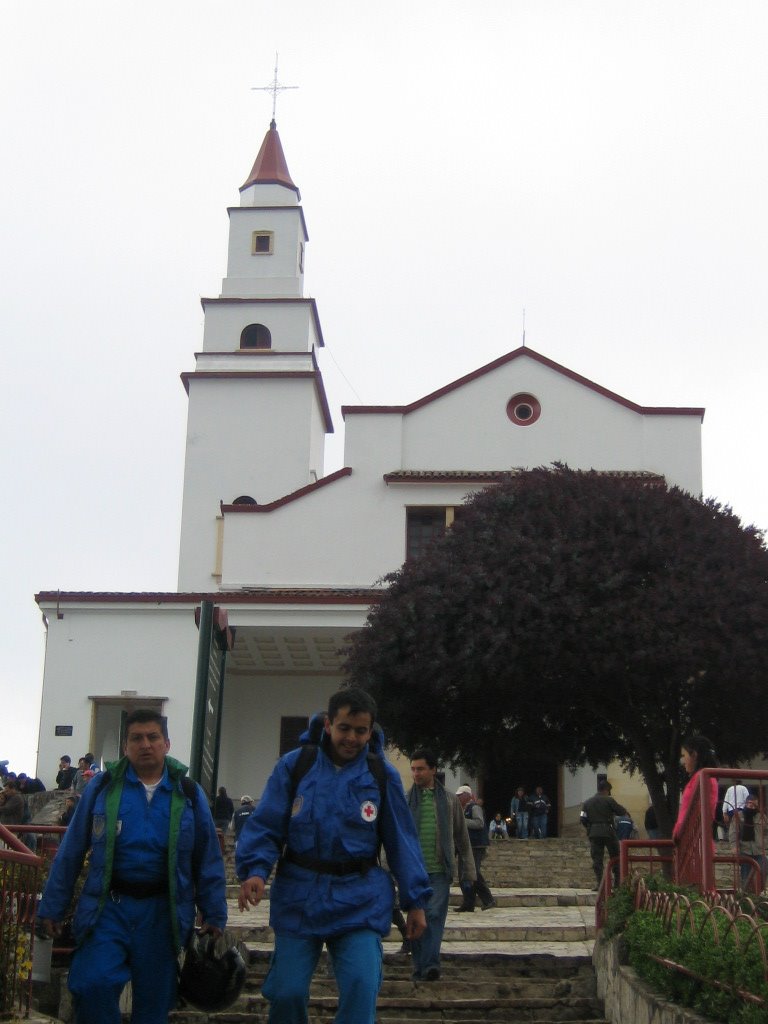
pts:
[189, 855]
[333, 818]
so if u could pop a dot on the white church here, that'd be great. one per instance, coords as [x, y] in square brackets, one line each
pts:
[288, 556]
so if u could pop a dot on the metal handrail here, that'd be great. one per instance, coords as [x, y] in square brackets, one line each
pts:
[19, 871]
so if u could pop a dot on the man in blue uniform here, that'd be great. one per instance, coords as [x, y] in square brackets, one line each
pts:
[325, 828]
[154, 857]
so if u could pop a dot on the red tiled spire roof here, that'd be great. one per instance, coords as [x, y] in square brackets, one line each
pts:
[270, 167]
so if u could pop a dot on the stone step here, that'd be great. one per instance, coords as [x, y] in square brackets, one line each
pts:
[522, 862]
[482, 977]
[519, 896]
[422, 1011]
[544, 916]
[527, 960]
[428, 1014]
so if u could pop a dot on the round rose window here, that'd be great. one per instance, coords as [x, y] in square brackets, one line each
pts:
[523, 409]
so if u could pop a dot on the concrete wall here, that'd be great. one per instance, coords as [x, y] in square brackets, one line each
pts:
[241, 439]
[291, 325]
[96, 652]
[353, 531]
[628, 1000]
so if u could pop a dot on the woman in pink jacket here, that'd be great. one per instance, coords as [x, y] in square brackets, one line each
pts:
[697, 753]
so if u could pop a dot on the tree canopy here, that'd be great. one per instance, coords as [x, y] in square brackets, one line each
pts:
[579, 616]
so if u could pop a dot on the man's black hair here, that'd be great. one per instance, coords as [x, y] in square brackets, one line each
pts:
[143, 715]
[358, 701]
[66, 757]
[425, 754]
[604, 786]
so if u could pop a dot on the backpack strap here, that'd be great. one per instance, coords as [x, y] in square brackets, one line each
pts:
[189, 788]
[308, 756]
[305, 760]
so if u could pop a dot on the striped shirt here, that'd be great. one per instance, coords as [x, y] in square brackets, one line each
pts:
[428, 831]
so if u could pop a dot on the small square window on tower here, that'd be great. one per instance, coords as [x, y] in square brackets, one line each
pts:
[261, 243]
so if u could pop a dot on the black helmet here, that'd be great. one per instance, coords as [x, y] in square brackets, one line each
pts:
[213, 972]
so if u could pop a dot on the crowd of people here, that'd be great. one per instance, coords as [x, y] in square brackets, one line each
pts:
[352, 852]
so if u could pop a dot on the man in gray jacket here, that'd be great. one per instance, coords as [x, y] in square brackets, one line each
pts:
[478, 838]
[442, 829]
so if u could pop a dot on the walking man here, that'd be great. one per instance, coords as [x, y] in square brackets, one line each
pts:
[442, 829]
[540, 808]
[478, 838]
[154, 861]
[322, 818]
[597, 816]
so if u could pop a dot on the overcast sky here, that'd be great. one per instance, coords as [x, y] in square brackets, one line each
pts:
[602, 164]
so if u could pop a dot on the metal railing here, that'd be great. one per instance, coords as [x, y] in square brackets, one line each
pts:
[693, 859]
[19, 882]
[726, 920]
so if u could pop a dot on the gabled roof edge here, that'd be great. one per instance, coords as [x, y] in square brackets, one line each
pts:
[545, 361]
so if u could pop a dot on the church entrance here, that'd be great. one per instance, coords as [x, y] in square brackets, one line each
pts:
[499, 785]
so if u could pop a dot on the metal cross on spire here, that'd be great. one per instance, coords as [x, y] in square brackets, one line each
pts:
[274, 88]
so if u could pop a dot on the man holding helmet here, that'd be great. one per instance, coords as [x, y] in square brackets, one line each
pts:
[154, 858]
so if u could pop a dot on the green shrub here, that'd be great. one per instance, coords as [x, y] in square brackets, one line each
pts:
[621, 904]
[725, 961]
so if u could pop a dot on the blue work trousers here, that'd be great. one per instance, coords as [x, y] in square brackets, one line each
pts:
[132, 941]
[356, 958]
[425, 952]
[521, 819]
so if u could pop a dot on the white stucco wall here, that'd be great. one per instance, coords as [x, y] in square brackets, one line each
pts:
[96, 652]
[250, 739]
[468, 428]
[352, 531]
[250, 437]
[275, 273]
[291, 325]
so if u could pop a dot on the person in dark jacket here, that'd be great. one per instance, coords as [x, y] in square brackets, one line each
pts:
[324, 831]
[540, 808]
[70, 804]
[12, 804]
[223, 809]
[154, 860]
[28, 786]
[242, 814]
[597, 815]
[66, 773]
[478, 839]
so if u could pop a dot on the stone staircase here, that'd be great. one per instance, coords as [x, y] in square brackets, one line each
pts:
[529, 959]
[552, 863]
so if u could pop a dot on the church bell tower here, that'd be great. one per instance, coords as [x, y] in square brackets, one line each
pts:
[258, 413]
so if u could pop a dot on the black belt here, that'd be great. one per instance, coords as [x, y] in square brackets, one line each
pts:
[330, 867]
[139, 890]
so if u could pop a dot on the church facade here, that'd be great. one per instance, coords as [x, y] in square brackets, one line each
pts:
[290, 556]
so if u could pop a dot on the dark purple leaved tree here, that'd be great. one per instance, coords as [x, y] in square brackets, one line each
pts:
[579, 616]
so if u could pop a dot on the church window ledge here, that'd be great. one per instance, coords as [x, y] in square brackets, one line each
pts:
[262, 243]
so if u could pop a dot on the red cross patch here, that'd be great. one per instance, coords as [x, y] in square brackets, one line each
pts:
[369, 811]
